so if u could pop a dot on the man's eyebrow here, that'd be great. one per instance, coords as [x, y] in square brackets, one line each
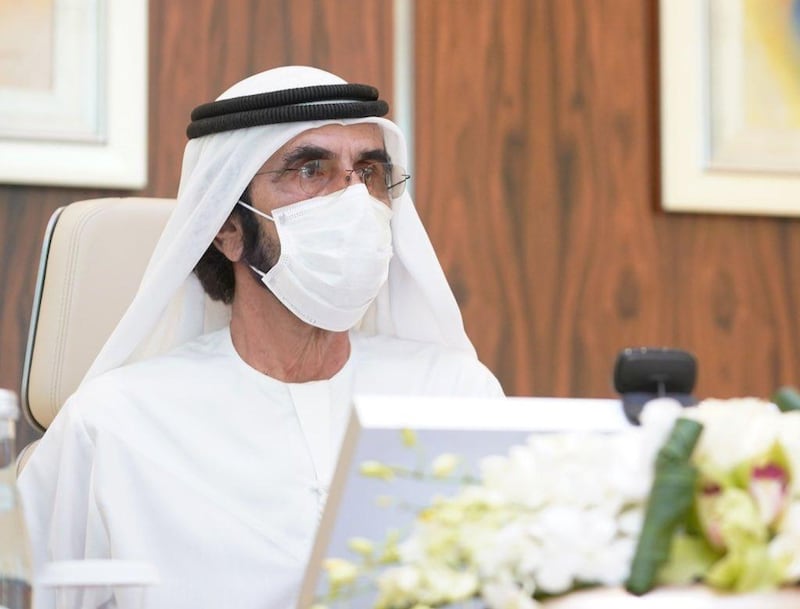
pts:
[310, 153]
[306, 153]
[378, 154]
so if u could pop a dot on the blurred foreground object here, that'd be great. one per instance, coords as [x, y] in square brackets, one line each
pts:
[15, 556]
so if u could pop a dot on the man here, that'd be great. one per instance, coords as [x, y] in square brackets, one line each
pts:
[204, 436]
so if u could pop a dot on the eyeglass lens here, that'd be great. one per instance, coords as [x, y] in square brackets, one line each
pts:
[384, 181]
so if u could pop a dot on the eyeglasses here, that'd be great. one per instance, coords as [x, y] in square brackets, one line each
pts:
[384, 181]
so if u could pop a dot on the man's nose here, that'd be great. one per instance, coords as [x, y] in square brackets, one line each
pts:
[346, 177]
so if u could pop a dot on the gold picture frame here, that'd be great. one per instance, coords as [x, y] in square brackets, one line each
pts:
[730, 138]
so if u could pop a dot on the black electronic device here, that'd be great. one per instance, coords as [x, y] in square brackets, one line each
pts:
[644, 373]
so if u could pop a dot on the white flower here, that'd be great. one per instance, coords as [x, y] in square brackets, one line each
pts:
[657, 419]
[630, 521]
[398, 586]
[609, 565]
[376, 469]
[449, 585]
[444, 465]
[508, 553]
[566, 509]
[340, 572]
[507, 596]
[556, 576]
[427, 583]
[785, 545]
[576, 504]
[515, 478]
[661, 412]
[734, 431]
[408, 437]
[360, 545]
[789, 432]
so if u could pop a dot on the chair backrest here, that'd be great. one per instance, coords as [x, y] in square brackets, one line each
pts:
[93, 257]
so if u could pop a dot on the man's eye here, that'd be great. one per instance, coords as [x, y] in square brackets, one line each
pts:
[312, 169]
[373, 172]
[367, 172]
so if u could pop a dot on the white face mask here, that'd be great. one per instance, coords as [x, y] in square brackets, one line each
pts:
[335, 253]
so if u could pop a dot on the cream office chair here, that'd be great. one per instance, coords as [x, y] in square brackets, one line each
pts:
[93, 257]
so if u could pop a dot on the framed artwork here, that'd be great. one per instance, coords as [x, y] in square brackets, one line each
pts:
[730, 106]
[73, 92]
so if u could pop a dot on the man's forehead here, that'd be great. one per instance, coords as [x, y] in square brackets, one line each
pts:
[336, 138]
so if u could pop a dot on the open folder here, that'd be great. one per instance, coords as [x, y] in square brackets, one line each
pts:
[398, 454]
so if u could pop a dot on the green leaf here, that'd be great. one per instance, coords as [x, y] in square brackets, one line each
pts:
[668, 505]
[787, 399]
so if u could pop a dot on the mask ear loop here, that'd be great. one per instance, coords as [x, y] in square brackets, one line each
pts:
[256, 211]
[261, 274]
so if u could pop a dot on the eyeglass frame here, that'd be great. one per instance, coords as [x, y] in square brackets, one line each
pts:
[404, 177]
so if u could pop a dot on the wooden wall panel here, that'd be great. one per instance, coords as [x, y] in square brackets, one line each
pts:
[197, 50]
[536, 126]
[200, 48]
[536, 175]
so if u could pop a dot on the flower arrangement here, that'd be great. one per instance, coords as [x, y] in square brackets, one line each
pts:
[707, 494]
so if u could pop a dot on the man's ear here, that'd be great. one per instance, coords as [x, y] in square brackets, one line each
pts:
[229, 239]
